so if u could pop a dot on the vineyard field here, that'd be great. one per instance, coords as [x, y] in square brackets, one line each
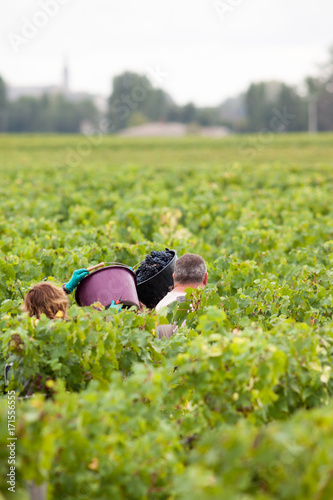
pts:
[238, 404]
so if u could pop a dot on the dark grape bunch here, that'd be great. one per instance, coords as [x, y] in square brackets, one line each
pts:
[153, 264]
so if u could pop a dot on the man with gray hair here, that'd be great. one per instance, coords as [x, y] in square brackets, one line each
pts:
[190, 272]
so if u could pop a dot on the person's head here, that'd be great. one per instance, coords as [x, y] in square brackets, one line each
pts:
[46, 298]
[190, 271]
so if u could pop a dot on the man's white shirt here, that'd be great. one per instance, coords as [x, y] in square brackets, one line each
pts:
[169, 299]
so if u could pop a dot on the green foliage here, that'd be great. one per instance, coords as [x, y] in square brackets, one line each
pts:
[233, 405]
[88, 347]
[275, 107]
[283, 461]
[89, 442]
[116, 444]
[134, 101]
[3, 106]
[48, 113]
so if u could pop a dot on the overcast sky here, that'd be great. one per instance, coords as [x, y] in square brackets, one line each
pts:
[206, 53]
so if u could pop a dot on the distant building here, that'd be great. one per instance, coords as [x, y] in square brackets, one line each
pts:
[232, 110]
[65, 82]
[172, 130]
[14, 93]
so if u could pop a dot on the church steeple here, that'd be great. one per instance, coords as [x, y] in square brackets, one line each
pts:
[65, 82]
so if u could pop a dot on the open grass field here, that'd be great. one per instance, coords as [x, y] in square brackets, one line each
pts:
[238, 404]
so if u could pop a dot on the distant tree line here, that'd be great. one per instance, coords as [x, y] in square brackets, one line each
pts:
[135, 101]
[272, 106]
[48, 113]
[263, 101]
